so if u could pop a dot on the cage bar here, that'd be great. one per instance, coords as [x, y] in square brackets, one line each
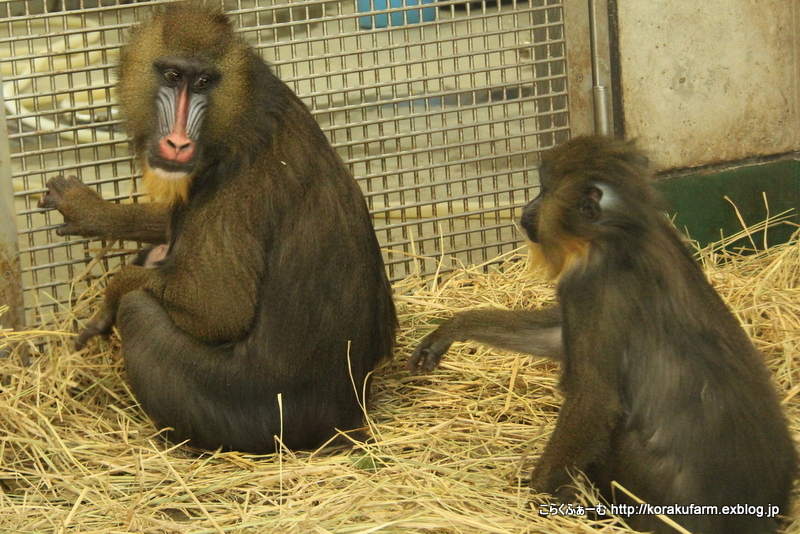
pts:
[441, 121]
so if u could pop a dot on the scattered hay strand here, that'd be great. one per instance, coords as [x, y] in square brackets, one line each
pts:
[452, 450]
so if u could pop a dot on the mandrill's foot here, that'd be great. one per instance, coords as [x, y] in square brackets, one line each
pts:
[99, 325]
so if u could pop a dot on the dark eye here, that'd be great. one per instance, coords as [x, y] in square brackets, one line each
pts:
[172, 76]
[202, 82]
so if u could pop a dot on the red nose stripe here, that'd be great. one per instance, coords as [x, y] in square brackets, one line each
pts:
[177, 146]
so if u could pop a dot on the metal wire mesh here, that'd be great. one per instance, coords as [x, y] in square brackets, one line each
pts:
[441, 121]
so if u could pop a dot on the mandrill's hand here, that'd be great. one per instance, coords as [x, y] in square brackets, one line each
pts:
[429, 352]
[83, 209]
[557, 482]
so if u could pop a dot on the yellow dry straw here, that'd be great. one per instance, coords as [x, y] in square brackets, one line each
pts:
[453, 450]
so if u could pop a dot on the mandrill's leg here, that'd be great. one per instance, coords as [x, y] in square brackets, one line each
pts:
[210, 394]
[130, 278]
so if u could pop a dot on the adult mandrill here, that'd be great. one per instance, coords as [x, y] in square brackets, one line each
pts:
[272, 282]
[663, 391]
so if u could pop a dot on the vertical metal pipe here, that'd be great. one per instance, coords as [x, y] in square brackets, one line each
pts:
[602, 123]
[10, 268]
[601, 118]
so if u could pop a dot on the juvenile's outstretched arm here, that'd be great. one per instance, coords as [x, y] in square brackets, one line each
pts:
[536, 332]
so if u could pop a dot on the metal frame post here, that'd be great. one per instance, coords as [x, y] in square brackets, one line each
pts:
[10, 266]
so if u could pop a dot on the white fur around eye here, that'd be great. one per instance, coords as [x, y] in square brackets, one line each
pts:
[610, 199]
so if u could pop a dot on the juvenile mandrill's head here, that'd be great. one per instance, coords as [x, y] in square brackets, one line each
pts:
[590, 188]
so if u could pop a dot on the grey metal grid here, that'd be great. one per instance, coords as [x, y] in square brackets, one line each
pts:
[441, 122]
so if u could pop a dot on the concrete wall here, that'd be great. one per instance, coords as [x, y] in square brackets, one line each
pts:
[710, 81]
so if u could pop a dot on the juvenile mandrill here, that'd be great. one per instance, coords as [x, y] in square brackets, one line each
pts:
[267, 279]
[663, 391]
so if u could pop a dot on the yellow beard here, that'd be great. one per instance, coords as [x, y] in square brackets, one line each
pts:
[168, 187]
[558, 260]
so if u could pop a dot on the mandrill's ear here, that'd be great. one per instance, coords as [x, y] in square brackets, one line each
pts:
[591, 205]
[597, 198]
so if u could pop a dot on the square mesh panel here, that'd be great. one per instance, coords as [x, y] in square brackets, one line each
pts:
[441, 121]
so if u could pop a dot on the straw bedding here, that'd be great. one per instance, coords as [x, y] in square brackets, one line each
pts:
[452, 451]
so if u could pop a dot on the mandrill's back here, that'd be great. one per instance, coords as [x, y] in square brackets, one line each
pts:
[326, 314]
[703, 424]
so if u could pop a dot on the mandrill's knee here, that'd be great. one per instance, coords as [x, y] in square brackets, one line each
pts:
[151, 339]
[139, 311]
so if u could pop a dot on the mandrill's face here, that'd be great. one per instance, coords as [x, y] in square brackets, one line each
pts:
[530, 218]
[560, 221]
[184, 87]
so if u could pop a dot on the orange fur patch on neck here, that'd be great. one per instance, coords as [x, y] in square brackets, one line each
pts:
[536, 257]
[574, 252]
[557, 260]
[169, 188]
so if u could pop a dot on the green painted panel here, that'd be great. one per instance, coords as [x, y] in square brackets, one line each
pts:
[699, 205]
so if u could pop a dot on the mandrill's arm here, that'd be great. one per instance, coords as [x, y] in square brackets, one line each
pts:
[536, 332]
[87, 214]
